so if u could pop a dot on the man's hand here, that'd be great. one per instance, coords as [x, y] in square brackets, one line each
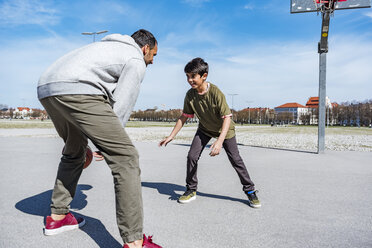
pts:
[165, 141]
[98, 156]
[216, 148]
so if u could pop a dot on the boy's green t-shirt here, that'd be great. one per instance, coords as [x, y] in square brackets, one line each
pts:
[210, 108]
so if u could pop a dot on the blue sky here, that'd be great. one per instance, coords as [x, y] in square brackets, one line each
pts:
[255, 49]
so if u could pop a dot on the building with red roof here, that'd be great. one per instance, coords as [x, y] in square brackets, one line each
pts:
[22, 112]
[313, 102]
[310, 110]
[291, 105]
[291, 112]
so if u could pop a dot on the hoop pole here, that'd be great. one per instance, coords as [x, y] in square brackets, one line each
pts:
[322, 50]
[322, 100]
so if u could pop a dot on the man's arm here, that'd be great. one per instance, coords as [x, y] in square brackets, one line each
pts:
[126, 93]
[127, 89]
[217, 145]
[179, 124]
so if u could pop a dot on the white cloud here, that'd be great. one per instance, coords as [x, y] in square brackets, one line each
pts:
[249, 6]
[266, 6]
[164, 83]
[201, 33]
[201, 36]
[19, 12]
[268, 73]
[104, 12]
[369, 14]
[22, 63]
[195, 3]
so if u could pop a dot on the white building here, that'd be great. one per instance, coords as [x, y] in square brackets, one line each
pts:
[296, 109]
[22, 112]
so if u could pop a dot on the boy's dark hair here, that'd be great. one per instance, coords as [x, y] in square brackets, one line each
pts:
[143, 37]
[197, 66]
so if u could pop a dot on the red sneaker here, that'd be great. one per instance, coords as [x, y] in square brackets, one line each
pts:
[147, 243]
[54, 227]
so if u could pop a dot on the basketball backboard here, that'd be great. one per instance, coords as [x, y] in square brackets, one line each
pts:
[301, 6]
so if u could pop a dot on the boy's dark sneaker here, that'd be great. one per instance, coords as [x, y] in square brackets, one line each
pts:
[68, 223]
[147, 243]
[253, 199]
[188, 196]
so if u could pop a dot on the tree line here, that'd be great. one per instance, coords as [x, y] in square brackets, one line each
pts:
[11, 113]
[355, 113]
[347, 114]
[156, 115]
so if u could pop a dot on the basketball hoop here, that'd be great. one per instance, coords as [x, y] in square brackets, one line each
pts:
[303, 6]
[326, 5]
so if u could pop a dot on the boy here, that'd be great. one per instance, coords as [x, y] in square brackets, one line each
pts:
[208, 103]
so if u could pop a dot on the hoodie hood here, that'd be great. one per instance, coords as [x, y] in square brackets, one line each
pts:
[122, 38]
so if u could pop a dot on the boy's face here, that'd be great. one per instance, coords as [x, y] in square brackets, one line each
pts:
[195, 80]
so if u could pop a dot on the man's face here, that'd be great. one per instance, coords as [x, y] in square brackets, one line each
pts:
[149, 53]
[195, 80]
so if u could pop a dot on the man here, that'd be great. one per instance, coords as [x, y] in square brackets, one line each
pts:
[89, 94]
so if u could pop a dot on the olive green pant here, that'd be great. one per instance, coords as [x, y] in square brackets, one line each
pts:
[78, 118]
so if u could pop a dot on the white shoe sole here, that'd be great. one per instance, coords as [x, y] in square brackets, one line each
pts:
[50, 232]
[187, 201]
[254, 206]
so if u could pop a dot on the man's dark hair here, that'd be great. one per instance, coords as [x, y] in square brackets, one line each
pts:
[197, 66]
[143, 37]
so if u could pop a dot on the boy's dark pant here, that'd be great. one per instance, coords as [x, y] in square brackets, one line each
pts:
[78, 118]
[197, 146]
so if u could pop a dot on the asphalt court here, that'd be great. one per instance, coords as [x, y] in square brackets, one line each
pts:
[308, 200]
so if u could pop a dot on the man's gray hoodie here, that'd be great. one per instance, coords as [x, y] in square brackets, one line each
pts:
[114, 67]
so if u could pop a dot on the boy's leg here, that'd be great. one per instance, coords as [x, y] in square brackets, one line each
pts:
[197, 146]
[96, 119]
[232, 152]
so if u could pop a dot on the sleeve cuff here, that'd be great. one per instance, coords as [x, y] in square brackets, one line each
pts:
[188, 115]
[223, 117]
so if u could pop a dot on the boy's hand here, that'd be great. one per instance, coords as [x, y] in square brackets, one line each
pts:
[165, 141]
[98, 156]
[215, 148]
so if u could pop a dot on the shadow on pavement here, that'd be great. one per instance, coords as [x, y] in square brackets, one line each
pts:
[280, 149]
[40, 205]
[181, 144]
[264, 147]
[170, 190]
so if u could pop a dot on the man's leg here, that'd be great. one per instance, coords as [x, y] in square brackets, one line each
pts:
[72, 161]
[197, 146]
[96, 119]
[232, 152]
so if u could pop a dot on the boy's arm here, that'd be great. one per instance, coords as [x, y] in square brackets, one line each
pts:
[179, 124]
[217, 145]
